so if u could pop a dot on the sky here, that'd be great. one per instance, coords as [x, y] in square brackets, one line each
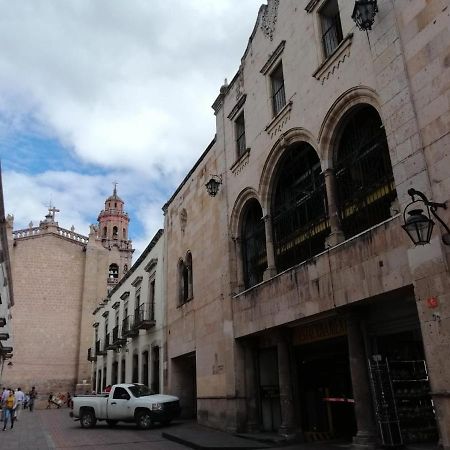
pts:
[100, 91]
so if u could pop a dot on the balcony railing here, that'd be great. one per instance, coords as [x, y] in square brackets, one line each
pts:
[117, 337]
[91, 355]
[99, 349]
[108, 342]
[128, 328]
[144, 316]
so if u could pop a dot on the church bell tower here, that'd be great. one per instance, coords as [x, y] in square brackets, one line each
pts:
[113, 224]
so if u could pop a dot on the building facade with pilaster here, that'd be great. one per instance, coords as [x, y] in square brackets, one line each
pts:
[300, 303]
[128, 343]
[6, 292]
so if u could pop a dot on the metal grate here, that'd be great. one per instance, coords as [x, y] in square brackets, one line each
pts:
[300, 222]
[254, 245]
[364, 178]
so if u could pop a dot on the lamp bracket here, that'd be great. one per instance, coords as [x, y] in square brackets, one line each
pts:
[432, 206]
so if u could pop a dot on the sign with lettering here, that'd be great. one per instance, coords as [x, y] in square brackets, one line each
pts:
[319, 331]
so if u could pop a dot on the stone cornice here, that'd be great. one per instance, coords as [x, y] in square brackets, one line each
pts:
[273, 59]
[237, 107]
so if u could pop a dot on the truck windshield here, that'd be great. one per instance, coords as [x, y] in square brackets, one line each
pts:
[140, 390]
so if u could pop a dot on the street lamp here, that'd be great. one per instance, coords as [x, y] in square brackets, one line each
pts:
[212, 186]
[364, 13]
[419, 225]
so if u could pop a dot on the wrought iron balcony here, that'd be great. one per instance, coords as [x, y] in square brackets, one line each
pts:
[108, 342]
[4, 336]
[128, 328]
[91, 355]
[117, 337]
[144, 316]
[99, 349]
[5, 350]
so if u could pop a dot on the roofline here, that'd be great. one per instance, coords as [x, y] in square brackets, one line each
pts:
[144, 254]
[166, 205]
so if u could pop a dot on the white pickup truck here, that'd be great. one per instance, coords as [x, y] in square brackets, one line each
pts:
[127, 403]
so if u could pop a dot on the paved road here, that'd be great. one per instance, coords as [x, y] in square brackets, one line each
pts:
[54, 429]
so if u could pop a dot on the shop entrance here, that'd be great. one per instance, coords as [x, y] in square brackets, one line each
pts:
[184, 384]
[325, 390]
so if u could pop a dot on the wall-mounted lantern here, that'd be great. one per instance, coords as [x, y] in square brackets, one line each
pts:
[212, 186]
[364, 13]
[419, 224]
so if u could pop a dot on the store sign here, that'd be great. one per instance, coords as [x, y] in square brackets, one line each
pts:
[320, 331]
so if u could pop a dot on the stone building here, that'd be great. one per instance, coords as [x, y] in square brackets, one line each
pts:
[300, 304]
[60, 277]
[6, 292]
[129, 333]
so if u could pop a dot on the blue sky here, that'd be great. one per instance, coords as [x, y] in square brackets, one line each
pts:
[96, 92]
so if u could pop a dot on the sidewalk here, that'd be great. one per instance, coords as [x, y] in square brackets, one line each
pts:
[28, 434]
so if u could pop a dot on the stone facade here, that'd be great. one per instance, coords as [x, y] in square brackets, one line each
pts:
[129, 325]
[6, 291]
[252, 349]
[60, 278]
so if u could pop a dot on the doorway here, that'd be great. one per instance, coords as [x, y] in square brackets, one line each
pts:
[325, 390]
[184, 384]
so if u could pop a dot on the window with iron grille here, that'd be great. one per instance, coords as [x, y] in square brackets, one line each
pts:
[278, 95]
[239, 125]
[300, 219]
[253, 244]
[331, 27]
[185, 279]
[364, 178]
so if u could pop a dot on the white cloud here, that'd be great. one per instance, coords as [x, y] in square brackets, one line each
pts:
[126, 86]
[122, 84]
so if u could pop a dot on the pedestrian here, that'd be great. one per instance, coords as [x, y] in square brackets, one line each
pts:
[49, 401]
[5, 395]
[33, 395]
[10, 406]
[20, 398]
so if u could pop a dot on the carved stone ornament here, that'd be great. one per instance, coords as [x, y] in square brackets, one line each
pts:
[240, 82]
[183, 219]
[269, 18]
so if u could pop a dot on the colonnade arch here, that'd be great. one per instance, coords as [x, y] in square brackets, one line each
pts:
[317, 160]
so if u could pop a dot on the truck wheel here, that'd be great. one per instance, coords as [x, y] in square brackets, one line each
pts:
[111, 423]
[143, 420]
[87, 419]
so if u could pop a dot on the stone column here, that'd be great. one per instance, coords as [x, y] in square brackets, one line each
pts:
[336, 236]
[251, 388]
[287, 427]
[271, 268]
[239, 264]
[365, 422]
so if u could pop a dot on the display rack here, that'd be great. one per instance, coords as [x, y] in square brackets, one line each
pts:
[414, 406]
[385, 405]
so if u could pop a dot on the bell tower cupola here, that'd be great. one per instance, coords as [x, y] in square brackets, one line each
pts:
[113, 224]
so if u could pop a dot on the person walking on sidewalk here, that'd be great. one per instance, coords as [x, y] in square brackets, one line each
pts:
[20, 398]
[5, 395]
[10, 406]
[32, 394]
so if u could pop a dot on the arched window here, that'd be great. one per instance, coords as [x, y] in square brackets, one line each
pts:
[190, 287]
[253, 241]
[124, 233]
[364, 178]
[115, 231]
[105, 231]
[185, 279]
[300, 220]
[113, 271]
